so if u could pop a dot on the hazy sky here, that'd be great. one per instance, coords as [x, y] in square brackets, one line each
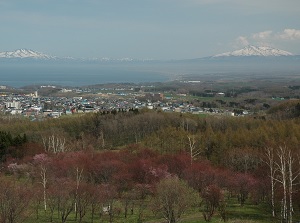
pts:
[156, 29]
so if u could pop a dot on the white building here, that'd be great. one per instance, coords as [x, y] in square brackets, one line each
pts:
[13, 104]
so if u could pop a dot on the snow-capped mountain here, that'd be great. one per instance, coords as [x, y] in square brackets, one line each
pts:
[24, 53]
[264, 51]
[31, 54]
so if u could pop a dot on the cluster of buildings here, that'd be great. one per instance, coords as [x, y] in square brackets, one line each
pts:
[38, 107]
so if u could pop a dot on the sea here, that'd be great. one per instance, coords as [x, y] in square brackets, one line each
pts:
[75, 75]
[19, 74]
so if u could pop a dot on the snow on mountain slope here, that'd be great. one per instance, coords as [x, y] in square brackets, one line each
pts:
[31, 54]
[24, 53]
[255, 51]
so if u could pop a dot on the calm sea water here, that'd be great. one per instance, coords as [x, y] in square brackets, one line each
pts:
[18, 75]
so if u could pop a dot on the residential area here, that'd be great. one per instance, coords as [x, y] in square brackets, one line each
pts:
[74, 101]
[195, 97]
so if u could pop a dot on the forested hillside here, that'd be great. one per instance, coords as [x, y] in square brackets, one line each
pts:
[151, 166]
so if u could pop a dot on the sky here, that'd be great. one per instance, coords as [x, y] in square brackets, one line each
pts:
[148, 29]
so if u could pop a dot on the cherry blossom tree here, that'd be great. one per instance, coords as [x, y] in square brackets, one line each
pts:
[243, 184]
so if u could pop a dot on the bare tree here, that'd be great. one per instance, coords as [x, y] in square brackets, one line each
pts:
[292, 176]
[282, 178]
[64, 197]
[269, 155]
[78, 180]
[83, 200]
[287, 175]
[192, 146]
[54, 144]
[42, 161]
[14, 200]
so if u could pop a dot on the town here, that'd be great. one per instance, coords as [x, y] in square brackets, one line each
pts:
[50, 101]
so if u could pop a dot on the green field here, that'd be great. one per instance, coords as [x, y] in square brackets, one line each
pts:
[248, 213]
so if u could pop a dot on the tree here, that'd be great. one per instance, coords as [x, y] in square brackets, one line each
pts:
[200, 175]
[243, 184]
[42, 161]
[176, 163]
[173, 197]
[287, 177]
[83, 200]
[65, 197]
[52, 201]
[269, 160]
[140, 192]
[37, 198]
[14, 200]
[127, 199]
[212, 196]
[109, 194]
[73, 165]
[11, 146]
[194, 152]
[243, 159]
[96, 200]
[54, 144]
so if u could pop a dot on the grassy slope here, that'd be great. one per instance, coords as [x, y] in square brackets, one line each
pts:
[249, 213]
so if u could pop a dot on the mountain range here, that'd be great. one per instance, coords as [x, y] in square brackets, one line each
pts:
[31, 54]
[248, 51]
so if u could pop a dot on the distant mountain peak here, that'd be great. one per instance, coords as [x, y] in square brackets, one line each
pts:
[24, 53]
[250, 50]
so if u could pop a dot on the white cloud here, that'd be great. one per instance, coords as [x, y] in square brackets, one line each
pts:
[265, 35]
[268, 38]
[242, 41]
[263, 38]
[289, 34]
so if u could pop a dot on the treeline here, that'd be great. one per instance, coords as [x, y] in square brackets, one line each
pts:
[222, 140]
